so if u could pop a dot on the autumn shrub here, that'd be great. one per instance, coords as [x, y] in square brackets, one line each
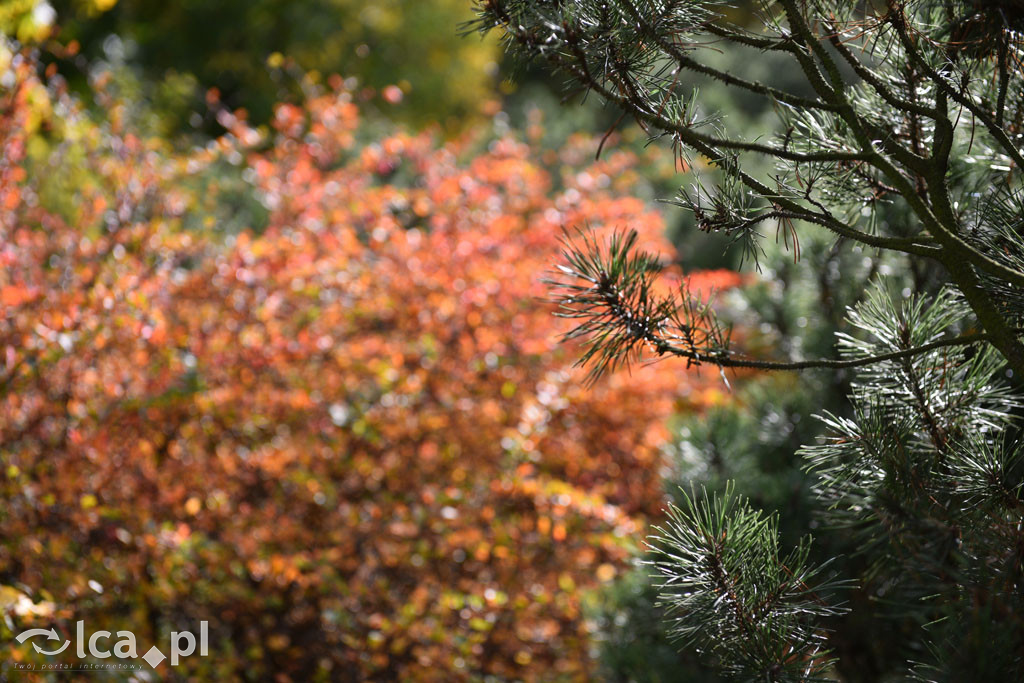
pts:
[349, 440]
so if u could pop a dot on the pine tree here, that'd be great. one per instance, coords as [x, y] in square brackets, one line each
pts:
[902, 144]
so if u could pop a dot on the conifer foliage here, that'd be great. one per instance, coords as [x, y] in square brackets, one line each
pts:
[905, 142]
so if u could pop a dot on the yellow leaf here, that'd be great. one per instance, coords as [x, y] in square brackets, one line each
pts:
[606, 572]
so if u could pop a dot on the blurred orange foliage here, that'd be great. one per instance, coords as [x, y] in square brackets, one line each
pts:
[351, 442]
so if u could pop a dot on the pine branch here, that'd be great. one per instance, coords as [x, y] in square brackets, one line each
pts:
[612, 289]
[898, 21]
[729, 592]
